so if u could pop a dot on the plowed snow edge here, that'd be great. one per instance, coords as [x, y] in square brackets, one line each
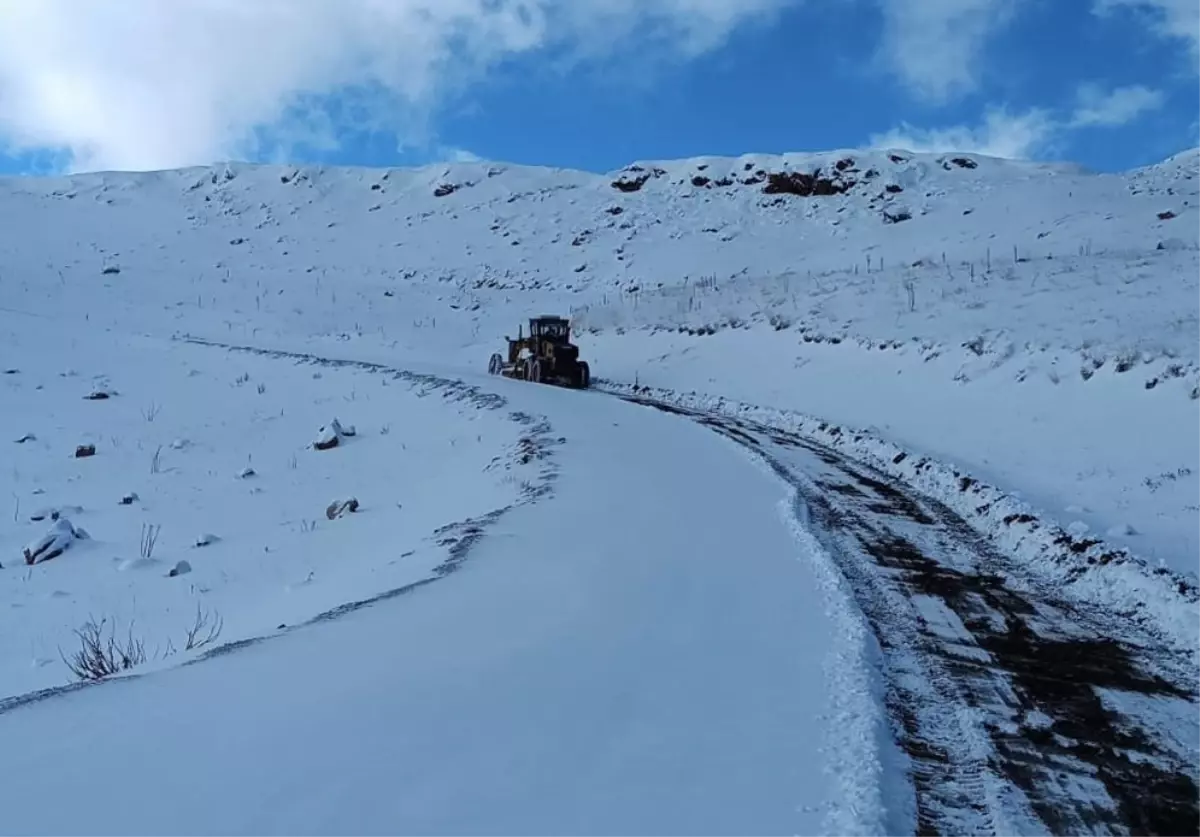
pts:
[1157, 599]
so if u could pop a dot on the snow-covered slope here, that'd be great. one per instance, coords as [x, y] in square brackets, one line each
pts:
[1041, 254]
[1016, 341]
[211, 462]
[1008, 286]
[481, 225]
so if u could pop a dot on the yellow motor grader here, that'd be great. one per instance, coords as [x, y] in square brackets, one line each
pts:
[546, 356]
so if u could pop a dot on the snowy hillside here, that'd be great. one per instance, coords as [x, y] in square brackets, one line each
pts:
[211, 466]
[1038, 253]
[1003, 273]
[850, 376]
[486, 226]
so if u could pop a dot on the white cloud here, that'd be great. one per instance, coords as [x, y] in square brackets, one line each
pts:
[140, 84]
[1001, 134]
[1119, 106]
[457, 155]
[935, 47]
[1031, 133]
[1174, 19]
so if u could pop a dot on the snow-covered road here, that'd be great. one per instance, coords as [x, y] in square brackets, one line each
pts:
[1021, 709]
[649, 649]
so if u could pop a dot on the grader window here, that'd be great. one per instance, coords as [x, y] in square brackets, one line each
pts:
[551, 330]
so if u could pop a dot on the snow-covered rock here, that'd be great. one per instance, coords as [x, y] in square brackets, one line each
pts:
[181, 568]
[331, 435]
[57, 540]
[327, 438]
[341, 508]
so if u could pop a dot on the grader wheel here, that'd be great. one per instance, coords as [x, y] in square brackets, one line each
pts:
[533, 370]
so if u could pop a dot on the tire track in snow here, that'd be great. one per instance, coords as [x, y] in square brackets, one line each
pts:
[1000, 691]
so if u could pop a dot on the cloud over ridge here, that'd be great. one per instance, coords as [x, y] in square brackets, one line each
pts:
[143, 84]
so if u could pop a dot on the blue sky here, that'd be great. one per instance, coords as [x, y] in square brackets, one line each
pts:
[592, 84]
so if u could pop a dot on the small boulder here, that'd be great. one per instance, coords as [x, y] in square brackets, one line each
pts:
[180, 568]
[340, 508]
[83, 451]
[206, 540]
[805, 184]
[327, 438]
[633, 178]
[55, 542]
[331, 435]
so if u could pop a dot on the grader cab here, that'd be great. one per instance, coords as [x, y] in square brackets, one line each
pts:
[545, 356]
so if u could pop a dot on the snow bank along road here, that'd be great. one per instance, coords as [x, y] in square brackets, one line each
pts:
[667, 638]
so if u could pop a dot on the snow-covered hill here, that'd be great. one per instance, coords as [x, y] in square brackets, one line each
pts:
[1057, 303]
[1013, 343]
[479, 225]
[888, 246]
